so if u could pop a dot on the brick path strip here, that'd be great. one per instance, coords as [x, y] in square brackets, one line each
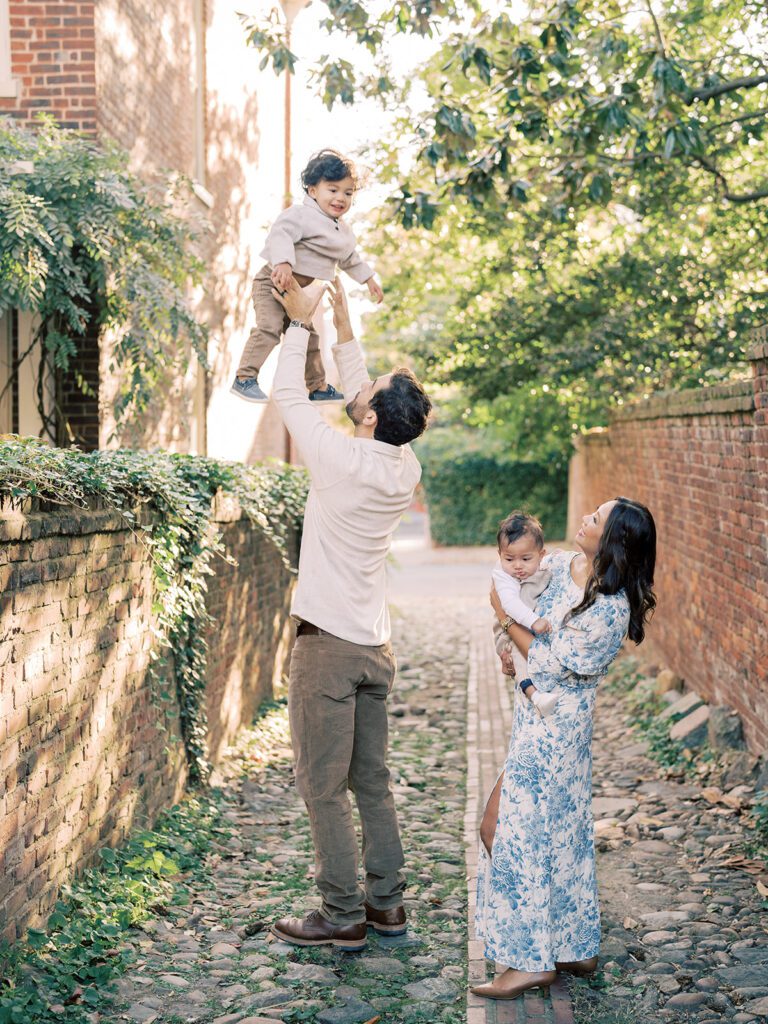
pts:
[489, 724]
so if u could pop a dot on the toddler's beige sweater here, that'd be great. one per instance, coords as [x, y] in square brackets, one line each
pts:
[313, 243]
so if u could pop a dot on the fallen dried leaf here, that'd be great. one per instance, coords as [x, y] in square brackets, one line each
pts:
[629, 923]
[712, 794]
[753, 867]
[732, 800]
[762, 889]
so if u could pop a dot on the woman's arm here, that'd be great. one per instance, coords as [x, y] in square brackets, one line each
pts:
[519, 635]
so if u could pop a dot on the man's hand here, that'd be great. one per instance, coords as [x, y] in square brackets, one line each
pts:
[375, 289]
[297, 304]
[341, 320]
[282, 275]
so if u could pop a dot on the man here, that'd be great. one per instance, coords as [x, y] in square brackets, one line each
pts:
[342, 667]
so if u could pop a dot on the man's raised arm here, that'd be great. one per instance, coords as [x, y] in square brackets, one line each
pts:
[323, 449]
[347, 352]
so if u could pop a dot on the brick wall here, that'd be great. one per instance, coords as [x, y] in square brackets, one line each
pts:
[699, 460]
[54, 60]
[85, 748]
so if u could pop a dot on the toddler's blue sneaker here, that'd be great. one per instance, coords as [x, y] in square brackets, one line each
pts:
[248, 389]
[327, 394]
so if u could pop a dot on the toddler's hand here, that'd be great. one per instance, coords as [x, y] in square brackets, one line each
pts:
[374, 289]
[541, 626]
[282, 275]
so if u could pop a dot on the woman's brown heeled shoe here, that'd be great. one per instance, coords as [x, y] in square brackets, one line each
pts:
[579, 968]
[541, 980]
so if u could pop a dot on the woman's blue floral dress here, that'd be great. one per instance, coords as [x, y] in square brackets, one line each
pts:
[537, 896]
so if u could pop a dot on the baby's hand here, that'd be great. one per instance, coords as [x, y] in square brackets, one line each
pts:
[374, 289]
[282, 275]
[541, 626]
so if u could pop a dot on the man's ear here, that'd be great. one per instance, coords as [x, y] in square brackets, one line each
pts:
[370, 419]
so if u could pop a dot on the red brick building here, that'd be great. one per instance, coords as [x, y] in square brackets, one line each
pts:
[173, 84]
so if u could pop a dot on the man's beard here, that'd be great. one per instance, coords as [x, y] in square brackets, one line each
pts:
[354, 411]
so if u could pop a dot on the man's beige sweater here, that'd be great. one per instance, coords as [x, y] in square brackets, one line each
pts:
[359, 491]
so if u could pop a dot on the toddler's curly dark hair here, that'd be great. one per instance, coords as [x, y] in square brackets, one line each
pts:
[329, 165]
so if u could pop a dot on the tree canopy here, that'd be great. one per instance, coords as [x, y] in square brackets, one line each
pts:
[570, 99]
[580, 198]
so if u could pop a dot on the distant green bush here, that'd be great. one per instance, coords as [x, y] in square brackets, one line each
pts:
[470, 487]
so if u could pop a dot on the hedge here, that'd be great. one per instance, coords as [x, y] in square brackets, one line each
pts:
[469, 489]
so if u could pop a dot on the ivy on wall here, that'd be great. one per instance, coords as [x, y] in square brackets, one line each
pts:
[181, 536]
[87, 246]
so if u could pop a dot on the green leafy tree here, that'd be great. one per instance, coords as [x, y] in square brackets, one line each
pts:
[584, 193]
[89, 248]
[574, 100]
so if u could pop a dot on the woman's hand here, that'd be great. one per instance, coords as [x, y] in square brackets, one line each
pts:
[507, 664]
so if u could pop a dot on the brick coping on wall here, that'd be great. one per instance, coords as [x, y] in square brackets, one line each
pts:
[731, 396]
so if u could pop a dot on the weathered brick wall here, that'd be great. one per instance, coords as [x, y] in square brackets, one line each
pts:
[85, 747]
[249, 641]
[54, 61]
[699, 460]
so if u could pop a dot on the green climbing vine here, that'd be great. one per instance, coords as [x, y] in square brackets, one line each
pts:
[181, 536]
[89, 247]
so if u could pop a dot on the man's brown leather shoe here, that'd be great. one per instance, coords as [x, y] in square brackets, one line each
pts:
[386, 922]
[315, 930]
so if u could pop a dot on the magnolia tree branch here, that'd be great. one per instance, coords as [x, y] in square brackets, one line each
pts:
[704, 94]
[657, 31]
[732, 197]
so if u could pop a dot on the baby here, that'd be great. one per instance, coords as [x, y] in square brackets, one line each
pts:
[519, 580]
[306, 243]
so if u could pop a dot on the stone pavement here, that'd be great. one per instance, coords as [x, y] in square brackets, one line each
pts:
[683, 936]
[685, 931]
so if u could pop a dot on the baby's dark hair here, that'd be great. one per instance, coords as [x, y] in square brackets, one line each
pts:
[329, 165]
[516, 525]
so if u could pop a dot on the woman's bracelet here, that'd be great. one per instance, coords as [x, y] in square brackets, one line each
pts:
[509, 621]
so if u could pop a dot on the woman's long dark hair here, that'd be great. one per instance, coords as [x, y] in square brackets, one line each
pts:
[625, 560]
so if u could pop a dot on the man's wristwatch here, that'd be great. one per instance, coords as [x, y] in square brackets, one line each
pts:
[298, 323]
[509, 621]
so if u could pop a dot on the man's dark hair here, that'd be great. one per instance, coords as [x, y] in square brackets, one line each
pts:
[402, 409]
[516, 525]
[329, 165]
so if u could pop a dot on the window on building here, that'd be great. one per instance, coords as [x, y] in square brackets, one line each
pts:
[8, 84]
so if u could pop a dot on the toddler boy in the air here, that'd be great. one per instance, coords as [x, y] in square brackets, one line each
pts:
[306, 242]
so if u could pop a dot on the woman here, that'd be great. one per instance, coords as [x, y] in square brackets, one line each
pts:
[537, 907]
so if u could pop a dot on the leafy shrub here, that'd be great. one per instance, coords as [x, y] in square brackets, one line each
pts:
[181, 538]
[470, 487]
[88, 246]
